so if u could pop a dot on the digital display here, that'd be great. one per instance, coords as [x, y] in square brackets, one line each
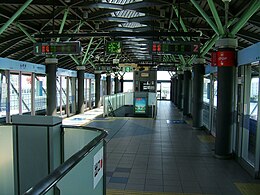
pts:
[113, 47]
[57, 48]
[140, 105]
[175, 47]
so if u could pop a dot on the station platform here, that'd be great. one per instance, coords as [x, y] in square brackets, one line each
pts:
[83, 119]
[166, 156]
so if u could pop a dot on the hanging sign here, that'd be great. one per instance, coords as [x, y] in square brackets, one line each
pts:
[226, 58]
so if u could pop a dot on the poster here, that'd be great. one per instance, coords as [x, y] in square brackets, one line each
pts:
[140, 105]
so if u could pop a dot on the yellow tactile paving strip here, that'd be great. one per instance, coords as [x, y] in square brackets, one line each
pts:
[206, 138]
[248, 188]
[122, 192]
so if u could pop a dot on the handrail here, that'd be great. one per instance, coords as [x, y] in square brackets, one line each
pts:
[49, 181]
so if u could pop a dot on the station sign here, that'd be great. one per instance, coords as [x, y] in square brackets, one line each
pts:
[57, 48]
[182, 48]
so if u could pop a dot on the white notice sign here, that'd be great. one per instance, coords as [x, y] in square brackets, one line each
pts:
[98, 167]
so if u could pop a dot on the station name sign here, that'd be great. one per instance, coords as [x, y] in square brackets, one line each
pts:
[57, 48]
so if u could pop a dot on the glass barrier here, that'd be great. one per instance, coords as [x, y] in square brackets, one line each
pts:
[83, 169]
[113, 102]
[7, 185]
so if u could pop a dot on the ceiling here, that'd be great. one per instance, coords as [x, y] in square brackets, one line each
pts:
[122, 18]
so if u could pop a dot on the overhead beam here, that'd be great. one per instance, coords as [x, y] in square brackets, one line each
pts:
[17, 14]
[25, 32]
[216, 17]
[88, 58]
[87, 50]
[205, 16]
[246, 16]
[63, 23]
[121, 34]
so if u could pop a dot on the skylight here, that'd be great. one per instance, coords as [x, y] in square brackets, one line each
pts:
[132, 25]
[127, 14]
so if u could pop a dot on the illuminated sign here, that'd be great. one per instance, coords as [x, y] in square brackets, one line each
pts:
[175, 47]
[113, 47]
[57, 48]
[140, 105]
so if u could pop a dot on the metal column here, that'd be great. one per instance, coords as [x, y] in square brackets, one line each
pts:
[175, 95]
[33, 94]
[186, 94]
[89, 95]
[197, 91]
[51, 86]
[225, 106]
[116, 84]
[121, 84]
[80, 75]
[108, 80]
[172, 89]
[180, 93]
[97, 90]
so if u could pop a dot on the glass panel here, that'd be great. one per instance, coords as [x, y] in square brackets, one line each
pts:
[40, 93]
[14, 94]
[253, 120]
[215, 95]
[128, 87]
[26, 93]
[3, 94]
[165, 91]
[206, 90]
[128, 76]
[163, 75]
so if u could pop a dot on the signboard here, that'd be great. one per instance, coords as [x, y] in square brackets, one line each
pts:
[184, 47]
[57, 48]
[98, 167]
[15, 65]
[140, 105]
[226, 58]
[113, 47]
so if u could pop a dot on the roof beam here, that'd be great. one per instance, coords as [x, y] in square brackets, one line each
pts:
[17, 14]
[120, 34]
[63, 23]
[205, 16]
[216, 17]
[246, 16]
[25, 32]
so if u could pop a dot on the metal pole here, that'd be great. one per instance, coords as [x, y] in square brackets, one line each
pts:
[20, 93]
[33, 94]
[8, 98]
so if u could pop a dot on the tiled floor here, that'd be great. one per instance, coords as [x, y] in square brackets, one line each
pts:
[166, 155]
